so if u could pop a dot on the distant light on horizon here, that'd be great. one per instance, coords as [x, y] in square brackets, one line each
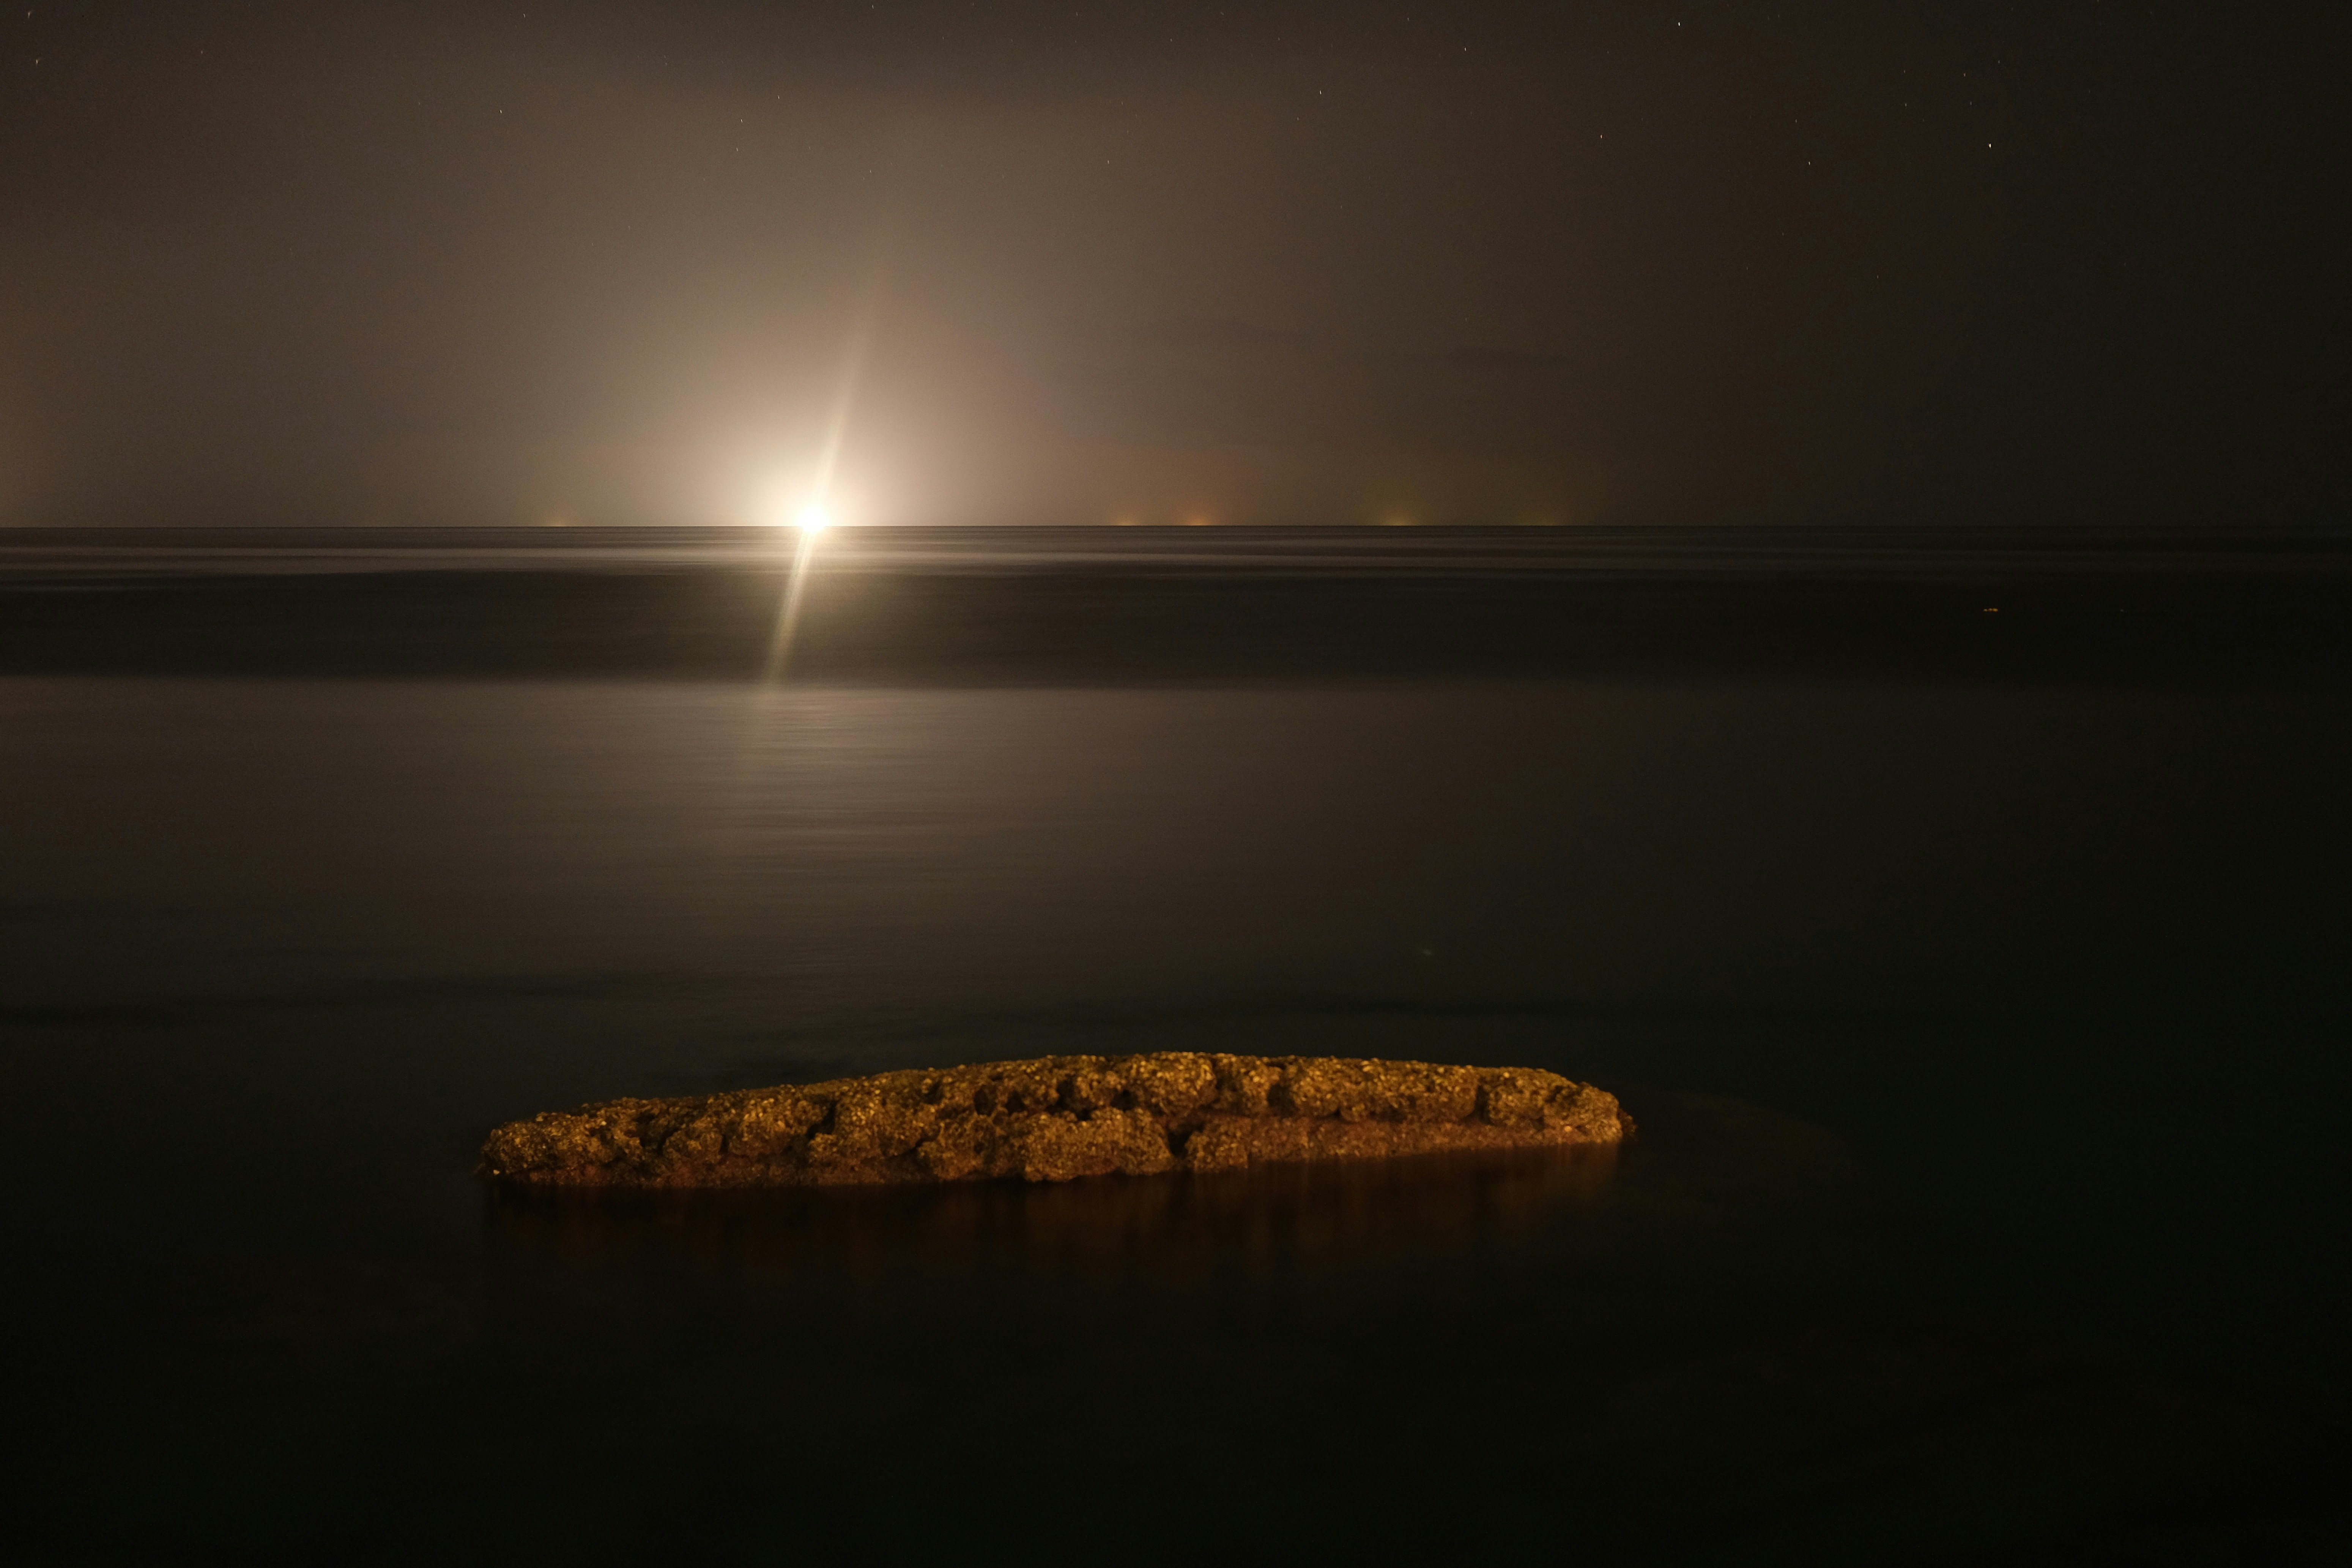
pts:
[801, 508]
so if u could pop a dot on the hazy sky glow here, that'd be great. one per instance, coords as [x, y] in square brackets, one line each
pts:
[609, 263]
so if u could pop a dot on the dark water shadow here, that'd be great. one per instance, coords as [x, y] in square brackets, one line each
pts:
[1705, 1175]
[1280, 1219]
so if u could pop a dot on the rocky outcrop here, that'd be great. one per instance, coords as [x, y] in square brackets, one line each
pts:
[1052, 1120]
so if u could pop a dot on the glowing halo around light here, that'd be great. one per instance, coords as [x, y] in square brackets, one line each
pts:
[811, 520]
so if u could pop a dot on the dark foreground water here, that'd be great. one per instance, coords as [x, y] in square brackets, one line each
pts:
[1979, 988]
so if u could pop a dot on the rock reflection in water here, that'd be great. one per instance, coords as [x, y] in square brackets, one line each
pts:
[1275, 1219]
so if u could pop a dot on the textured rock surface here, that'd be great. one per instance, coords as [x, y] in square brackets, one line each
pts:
[1052, 1120]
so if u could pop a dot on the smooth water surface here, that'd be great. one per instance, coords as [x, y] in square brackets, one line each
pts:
[1987, 1043]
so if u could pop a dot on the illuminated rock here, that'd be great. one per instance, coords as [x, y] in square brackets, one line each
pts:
[1052, 1120]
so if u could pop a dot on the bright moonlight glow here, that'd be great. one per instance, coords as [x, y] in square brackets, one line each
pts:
[812, 519]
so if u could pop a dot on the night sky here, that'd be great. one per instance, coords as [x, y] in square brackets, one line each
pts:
[1622, 263]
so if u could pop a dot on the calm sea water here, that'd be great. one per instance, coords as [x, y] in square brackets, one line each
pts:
[1988, 1041]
